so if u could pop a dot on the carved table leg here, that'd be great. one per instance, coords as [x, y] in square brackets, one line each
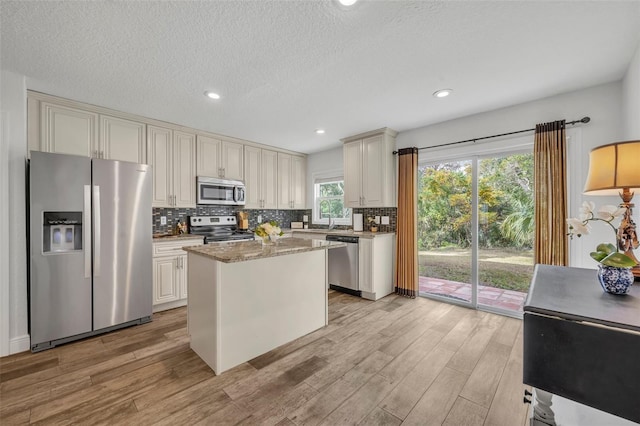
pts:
[542, 413]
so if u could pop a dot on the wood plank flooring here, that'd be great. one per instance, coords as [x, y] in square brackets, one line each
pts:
[390, 362]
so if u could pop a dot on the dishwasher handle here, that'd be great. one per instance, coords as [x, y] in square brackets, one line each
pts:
[343, 239]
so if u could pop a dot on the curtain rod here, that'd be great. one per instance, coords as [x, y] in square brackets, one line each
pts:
[474, 140]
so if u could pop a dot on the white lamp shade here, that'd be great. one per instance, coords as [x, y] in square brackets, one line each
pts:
[614, 167]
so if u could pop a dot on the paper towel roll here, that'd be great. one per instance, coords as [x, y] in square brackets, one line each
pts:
[357, 222]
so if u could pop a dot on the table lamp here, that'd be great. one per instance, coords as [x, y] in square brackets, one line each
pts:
[615, 169]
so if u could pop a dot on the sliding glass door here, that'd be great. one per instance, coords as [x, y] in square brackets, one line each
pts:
[479, 257]
[444, 230]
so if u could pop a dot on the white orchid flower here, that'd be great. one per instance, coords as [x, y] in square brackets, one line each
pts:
[578, 227]
[586, 210]
[610, 212]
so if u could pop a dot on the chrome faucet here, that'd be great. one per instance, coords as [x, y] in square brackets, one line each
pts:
[331, 224]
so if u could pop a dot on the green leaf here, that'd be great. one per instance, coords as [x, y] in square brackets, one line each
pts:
[598, 255]
[619, 260]
[606, 248]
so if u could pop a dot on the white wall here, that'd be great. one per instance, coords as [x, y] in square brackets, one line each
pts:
[602, 103]
[631, 100]
[13, 285]
[321, 162]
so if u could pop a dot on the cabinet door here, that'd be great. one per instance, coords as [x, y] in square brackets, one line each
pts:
[284, 181]
[269, 179]
[252, 175]
[208, 154]
[365, 256]
[182, 275]
[298, 182]
[68, 131]
[184, 169]
[165, 280]
[352, 153]
[232, 156]
[123, 140]
[373, 176]
[159, 141]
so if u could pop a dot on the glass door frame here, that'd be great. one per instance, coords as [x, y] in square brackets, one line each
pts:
[517, 146]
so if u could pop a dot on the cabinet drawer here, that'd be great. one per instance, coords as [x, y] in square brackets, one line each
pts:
[173, 248]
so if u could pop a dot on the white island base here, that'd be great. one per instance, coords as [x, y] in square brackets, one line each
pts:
[239, 310]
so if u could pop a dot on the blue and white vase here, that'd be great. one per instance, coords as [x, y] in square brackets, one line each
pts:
[615, 280]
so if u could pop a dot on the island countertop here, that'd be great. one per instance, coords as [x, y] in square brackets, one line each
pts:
[251, 250]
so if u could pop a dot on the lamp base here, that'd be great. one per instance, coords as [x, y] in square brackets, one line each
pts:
[627, 235]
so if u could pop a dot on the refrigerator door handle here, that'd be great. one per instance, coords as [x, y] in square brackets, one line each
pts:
[96, 230]
[87, 231]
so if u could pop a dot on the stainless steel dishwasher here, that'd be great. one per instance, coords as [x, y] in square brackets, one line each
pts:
[343, 265]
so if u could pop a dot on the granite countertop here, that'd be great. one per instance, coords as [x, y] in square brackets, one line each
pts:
[344, 232]
[172, 237]
[252, 250]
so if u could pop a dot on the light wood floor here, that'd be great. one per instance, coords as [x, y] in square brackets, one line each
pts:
[388, 362]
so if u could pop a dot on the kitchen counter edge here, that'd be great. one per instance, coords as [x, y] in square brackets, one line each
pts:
[252, 250]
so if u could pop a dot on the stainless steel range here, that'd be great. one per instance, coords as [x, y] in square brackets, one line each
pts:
[217, 229]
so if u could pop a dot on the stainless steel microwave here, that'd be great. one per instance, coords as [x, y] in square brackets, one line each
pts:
[220, 191]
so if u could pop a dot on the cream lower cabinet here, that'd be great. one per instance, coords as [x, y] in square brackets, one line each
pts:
[170, 273]
[260, 178]
[376, 266]
[172, 154]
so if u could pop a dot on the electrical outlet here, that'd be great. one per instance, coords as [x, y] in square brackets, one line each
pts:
[385, 220]
[163, 220]
[377, 218]
[259, 218]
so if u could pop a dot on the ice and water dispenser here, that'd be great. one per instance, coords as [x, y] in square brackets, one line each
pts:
[62, 232]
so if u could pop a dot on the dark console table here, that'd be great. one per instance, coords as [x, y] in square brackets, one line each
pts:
[581, 343]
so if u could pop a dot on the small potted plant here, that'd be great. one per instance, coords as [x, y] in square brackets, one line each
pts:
[268, 232]
[614, 269]
[373, 226]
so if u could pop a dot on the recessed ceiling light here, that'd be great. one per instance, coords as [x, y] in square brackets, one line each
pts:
[347, 2]
[442, 93]
[320, 131]
[212, 95]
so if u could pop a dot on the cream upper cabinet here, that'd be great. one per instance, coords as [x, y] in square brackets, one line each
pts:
[184, 169]
[160, 142]
[260, 178]
[123, 140]
[218, 158]
[284, 181]
[173, 157]
[291, 181]
[232, 160]
[68, 130]
[369, 169]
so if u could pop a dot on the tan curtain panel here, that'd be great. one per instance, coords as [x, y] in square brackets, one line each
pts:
[550, 177]
[406, 232]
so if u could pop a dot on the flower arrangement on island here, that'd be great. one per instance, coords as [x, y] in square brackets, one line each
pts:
[269, 231]
[605, 254]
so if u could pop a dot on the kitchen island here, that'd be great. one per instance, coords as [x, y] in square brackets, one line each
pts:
[246, 299]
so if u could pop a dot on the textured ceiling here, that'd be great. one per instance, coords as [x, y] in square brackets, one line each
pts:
[285, 68]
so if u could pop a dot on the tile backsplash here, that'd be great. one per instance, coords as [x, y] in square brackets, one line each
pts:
[175, 215]
[283, 217]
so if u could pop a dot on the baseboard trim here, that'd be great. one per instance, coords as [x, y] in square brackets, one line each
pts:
[19, 344]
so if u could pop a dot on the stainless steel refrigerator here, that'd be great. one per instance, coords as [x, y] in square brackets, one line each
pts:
[90, 247]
